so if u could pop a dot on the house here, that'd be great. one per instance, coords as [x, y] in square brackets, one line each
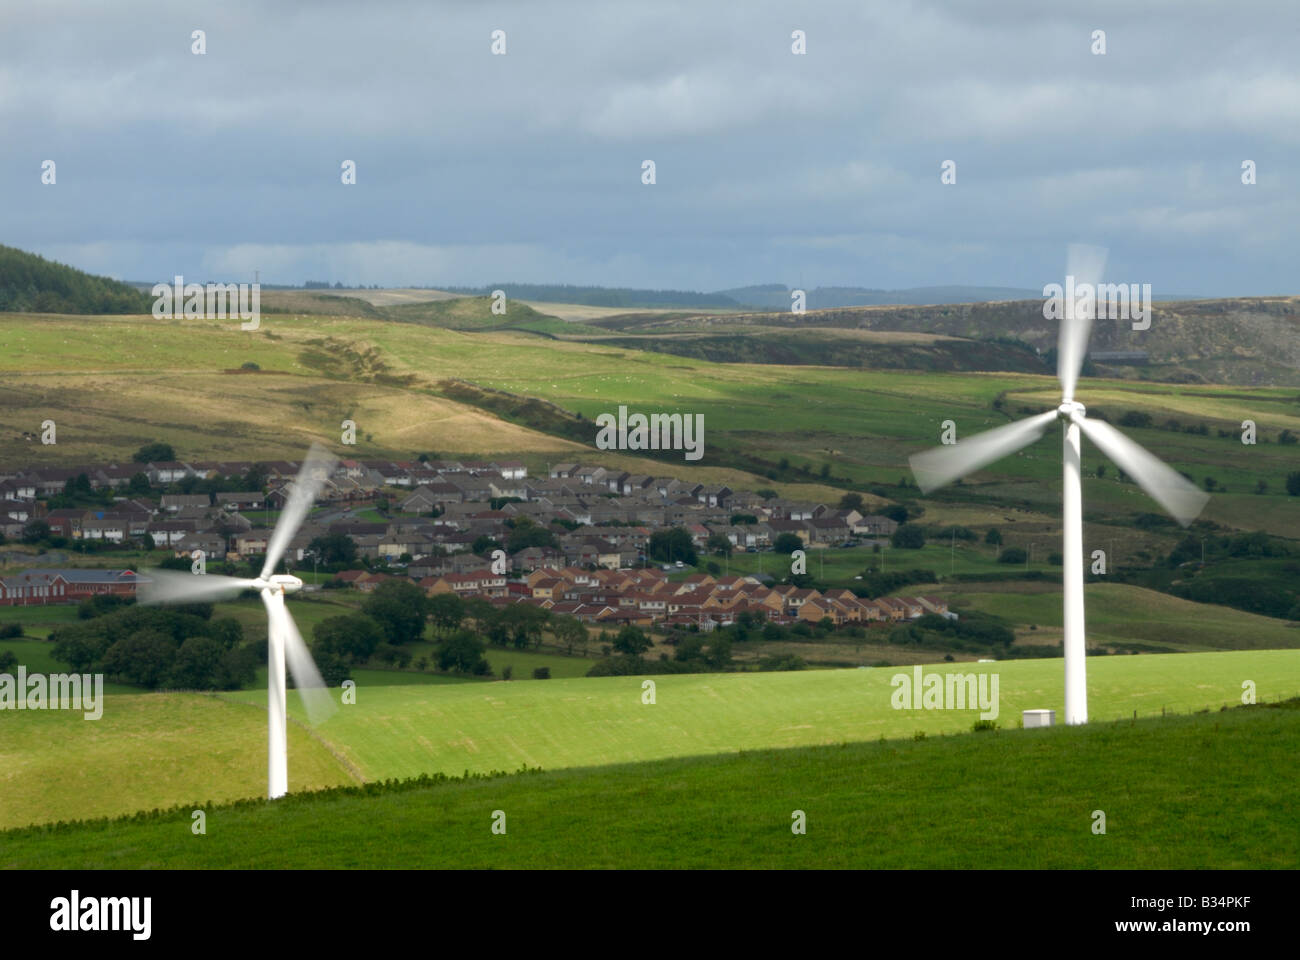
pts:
[167, 471]
[934, 605]
[168, 533]
[65, 586]
[18, 488]
[240, 500]
[511, 469]
[18, 510]
[252, 542]
[420, 500]
[99, 525]
[65, 521]
[213, 545]
[875, 526]
[172, 502]
[714, 496]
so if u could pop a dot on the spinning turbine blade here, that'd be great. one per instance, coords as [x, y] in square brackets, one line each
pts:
[1182, 499]
[1085, 264]
[942, 465]
[311, 477]
[311, 686]
[174, 586]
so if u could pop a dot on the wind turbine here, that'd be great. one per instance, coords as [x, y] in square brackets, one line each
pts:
[283, 639]
[1182, 499]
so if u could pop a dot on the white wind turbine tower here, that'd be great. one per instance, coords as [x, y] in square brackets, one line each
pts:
[1182, 499]
[283, 639]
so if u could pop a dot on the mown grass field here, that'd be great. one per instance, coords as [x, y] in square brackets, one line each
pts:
[1212, 791]
[146, 751]
[403, 730]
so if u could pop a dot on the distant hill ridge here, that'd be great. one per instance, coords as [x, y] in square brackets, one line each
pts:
[30, 283]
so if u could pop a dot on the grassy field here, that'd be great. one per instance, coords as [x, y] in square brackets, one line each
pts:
[402, 731]
[862, 424]
[1119, 612]
[405, 730]
[146, 751]
[1212, 791]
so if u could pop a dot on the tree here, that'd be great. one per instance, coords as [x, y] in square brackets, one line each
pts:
[400, 608]
[671, 545]
[139, 484]
[480, 611]
[851, 501]
[334, 669]
[352, 637]
[526, 533]
[909, 536]
[484, 544]
[719, 655]
[1293, 483]
[196, 664]
[333, 548]
[446, 610]
[143, 657]
[718, 544]
[1012, 555]
[993, 537]
[631, 641]
[787, 543]
[896, 512]
[569, 632]
[37, 530]
[461, 652]
[154, 453]
[522, 623]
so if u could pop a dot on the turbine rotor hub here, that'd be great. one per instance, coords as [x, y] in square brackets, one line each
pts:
[1071, 410]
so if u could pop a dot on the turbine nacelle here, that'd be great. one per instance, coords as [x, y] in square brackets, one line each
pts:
[280, 583]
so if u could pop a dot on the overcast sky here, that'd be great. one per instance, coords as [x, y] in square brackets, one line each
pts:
[813, 170]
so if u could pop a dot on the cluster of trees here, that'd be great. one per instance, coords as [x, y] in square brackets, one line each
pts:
[975, 632]
[171, 647]
[30, 283]
[395, 615]
[671, 545]
[694, 653]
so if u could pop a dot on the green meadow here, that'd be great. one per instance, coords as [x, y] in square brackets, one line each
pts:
[158, 750]
[1210, 791]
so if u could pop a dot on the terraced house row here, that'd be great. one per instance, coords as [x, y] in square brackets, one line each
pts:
[433, 512]
[647, 597]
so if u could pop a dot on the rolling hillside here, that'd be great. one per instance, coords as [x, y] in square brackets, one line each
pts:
[214, 746]
[31, 283]
[1212, 791]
